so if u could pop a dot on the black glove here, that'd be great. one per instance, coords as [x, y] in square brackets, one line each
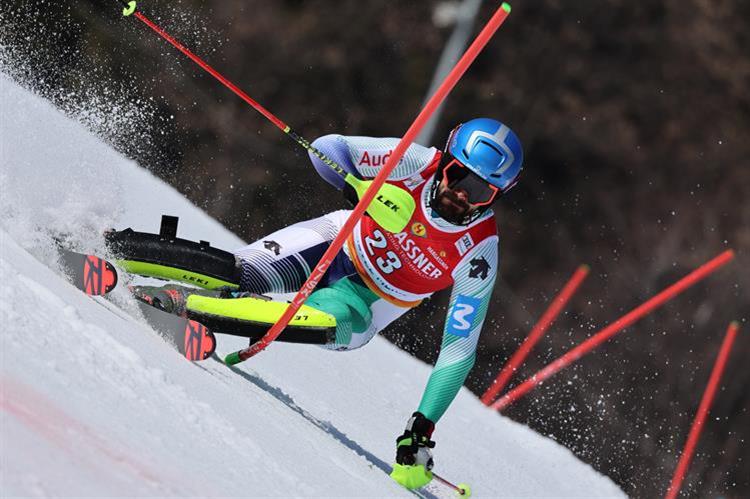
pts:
[413, 447]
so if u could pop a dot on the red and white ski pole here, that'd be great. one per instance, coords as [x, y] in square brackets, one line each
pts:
[462, 489]
[395, 205]
[130, 8]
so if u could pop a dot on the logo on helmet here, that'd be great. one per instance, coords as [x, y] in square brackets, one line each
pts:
[498, 139]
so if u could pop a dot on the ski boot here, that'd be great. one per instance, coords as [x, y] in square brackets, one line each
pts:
[171, 298]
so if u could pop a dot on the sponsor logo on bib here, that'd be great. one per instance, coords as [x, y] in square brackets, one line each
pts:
[412, 183]
[464, 244]
[418, 229]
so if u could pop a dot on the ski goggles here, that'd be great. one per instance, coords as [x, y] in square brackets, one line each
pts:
[478, 191]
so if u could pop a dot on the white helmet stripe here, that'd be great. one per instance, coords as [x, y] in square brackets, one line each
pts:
[499, 138]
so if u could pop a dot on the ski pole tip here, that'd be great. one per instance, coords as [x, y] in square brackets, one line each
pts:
[464, 490]
[506, 7]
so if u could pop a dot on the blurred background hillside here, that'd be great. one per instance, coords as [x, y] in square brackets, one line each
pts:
[635, 118]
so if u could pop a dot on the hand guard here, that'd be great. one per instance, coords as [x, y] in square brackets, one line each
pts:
[413, 456]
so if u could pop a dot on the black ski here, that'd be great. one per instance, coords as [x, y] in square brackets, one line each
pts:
[191, 338]
[93, 275]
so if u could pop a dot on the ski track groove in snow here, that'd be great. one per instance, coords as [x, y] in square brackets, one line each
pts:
[94, 403]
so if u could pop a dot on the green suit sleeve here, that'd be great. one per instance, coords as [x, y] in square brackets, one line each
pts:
[474, 280]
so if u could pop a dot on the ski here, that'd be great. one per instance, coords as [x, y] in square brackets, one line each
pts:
[93, 275]
[191, 338]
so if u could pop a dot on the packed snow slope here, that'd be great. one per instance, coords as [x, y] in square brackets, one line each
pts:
[94, 403]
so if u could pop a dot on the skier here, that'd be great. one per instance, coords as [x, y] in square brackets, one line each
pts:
[450, 240]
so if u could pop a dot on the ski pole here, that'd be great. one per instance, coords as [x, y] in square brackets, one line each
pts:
[325, 261]
[395, 206]
[462, 489]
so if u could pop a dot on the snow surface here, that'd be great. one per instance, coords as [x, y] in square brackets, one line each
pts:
[93, 403]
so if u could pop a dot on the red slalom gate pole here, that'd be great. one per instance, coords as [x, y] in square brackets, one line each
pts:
[614, 328]
[307, 288]
[549, 316]
[700, 417]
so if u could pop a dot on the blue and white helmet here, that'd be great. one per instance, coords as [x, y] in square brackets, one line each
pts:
[489, 149]
[484, 158]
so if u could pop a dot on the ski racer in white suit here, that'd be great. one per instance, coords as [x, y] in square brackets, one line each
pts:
[451, 240]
